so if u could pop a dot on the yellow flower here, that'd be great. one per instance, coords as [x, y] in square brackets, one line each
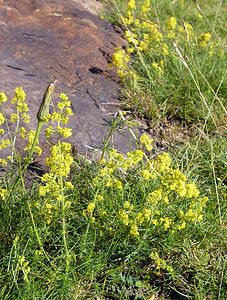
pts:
[61, 159]
[48, 205]
[99, 198]
[147, 214]
[69, 185]
[55, 117]
[155, 196]
[25, 117]
[127, 205]
[131, 4]
[134, 230]
[146, 174]
[3, 193]
[158, 67]
[204, 39]
[14, 118]
[192, 190]
[65, 132]
[171, 23]
[19, 95]
[166, 222]
[181, 226]
[162, 162]
[90, 207]
[49, 131]
[147, 141]
[3, 97]
[23, 132]
[165, 49]
[135, 156]
[4, 144]
[123, 217]
[145, 7]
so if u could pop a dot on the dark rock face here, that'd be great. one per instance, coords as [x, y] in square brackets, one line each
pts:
[42, 40]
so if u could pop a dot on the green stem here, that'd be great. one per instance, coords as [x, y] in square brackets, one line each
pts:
[106, 143]
[35, 141]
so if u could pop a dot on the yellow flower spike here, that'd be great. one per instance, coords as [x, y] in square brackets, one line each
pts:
[3, 97]
[123, 217]
[65, 132]
[49, 131]
[90, 207]
[147, 214]
[131, 5]
[3, 194]
[69, 185]
[204, 39]
[171, 23]
[38, 150]
[146, 174]
[139, 218]
[68, 111]
[99, 198]
[117, 184]
[165, 49]
[61, 159]
[48, 205]
[127, 205]
[154, 222]
[3, 162]
[26, 118]
[4, 144]
[134, 230]
[155, 196]
[181, 226]
[61, 105]
[55, 117]
[192, 190]
[135, 156]
[145, 8]
[64, 97]
[146, 141]
[19, 96]
[14, 118]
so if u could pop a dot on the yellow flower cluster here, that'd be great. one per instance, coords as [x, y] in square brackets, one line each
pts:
[21, 109]
[21, 106]
[160, 263]
[120, 60]
[61, 117]
[61, 159]
[146, 141]
[54, 185]
[3, 97]
[168, 188]
[24, 267]
[154, 41]
[204, 39]
[116, 162]
[3, 194]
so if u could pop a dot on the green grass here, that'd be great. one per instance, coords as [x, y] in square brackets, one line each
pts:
[192, 78]
[102, 229]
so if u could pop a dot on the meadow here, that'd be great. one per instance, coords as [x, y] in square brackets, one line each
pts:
[148, 224]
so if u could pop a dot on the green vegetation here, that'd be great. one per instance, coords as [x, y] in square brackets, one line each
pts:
[144, 225]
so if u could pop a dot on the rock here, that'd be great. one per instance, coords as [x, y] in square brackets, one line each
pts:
[42, 40]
